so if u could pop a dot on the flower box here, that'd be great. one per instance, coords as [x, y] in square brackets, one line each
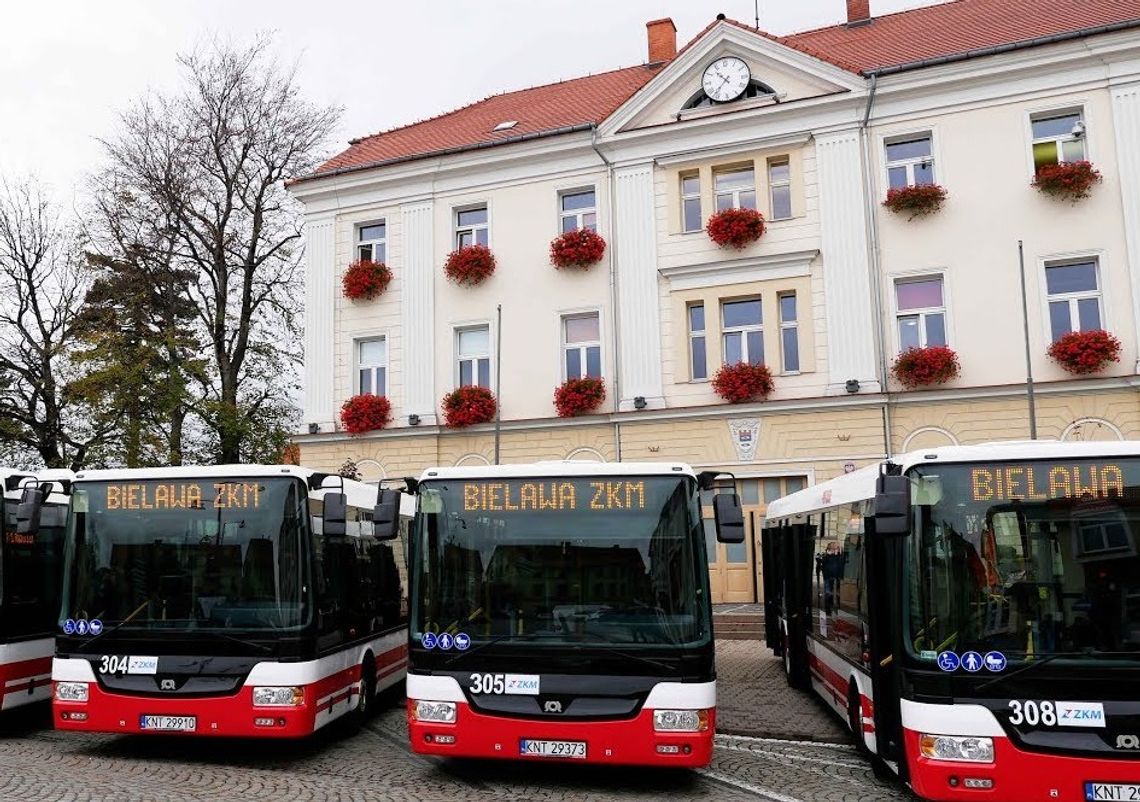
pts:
[470, 265]
[579, 396]
[916, 201]
[365, 280]
[468, 406]
[743, 382]
[1071, 181]
[923, 367]
[1084, 352]
[737, 228]
[365, 412]
[581, 248]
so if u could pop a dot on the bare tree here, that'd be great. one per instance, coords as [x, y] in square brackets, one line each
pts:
[42, 283]
[213, 158]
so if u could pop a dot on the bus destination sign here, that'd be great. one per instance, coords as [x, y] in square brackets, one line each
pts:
[1043, 482]
[145, 496]
[529, 496]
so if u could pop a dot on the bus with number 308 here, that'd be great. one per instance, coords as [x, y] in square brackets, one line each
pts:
[973, 613]
[238, 600]
[561, 611]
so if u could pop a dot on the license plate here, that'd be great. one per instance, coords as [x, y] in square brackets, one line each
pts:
[575, 749]
[1117, 792]
[168, 723]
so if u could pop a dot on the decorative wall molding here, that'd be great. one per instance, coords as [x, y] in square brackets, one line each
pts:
[737, 271]
[1126, 116]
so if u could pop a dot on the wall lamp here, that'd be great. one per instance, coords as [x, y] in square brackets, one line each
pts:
[413, 419]
[639, 402]
[852, 385]
[314, 428]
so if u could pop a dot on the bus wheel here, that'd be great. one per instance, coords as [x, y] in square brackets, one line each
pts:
[788, 662]
[855, 719]
[367, 688]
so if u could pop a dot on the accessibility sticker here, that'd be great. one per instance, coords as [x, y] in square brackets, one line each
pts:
[446, 641]
[428, 640]
[95, 626]
[972, 661]
[69, 626]
[948, 661]
[462, 641]
[81, 626]
[995, 661]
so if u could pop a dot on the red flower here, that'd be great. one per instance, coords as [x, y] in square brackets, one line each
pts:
[735, 227]
[580, 248]
[365, 412]
[365, 279]
[919, 200]
[291, 454]
[920, 367]
[1083, 352]
[743, 382]
[469, 405]
[579, 396]
[470, 265]
[1071, 181]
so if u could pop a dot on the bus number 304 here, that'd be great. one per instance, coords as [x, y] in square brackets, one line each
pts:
[488, 683]
[1032, 713]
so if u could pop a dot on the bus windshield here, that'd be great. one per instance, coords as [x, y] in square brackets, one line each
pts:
[188, 554]
[609, 560]
[1026, 559]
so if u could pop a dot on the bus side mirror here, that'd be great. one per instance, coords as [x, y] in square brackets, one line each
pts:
[729, 518]
[892, 505]
[386, 515]
[28, 511]
[335, 514]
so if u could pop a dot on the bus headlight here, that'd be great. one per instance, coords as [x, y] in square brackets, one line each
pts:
[680, 720]
[438, 712]
[953, 747]
[71, 691]
[288, 696]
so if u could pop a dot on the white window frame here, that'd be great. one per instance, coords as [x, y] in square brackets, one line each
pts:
[789, 324]
[564, 346]
[382, 242]
[357, 366]
[456, 361]
[742, 330]
[1079, 105]
[577, 214]
[456, 229]
[703, 334]
[920, 275]
[735, 193]
[912, 162]
[1059, 111]
[1059, 260]
[690, 196]
[772, 185]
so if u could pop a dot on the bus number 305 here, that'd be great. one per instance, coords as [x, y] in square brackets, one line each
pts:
[1032, 713]
[488, 683]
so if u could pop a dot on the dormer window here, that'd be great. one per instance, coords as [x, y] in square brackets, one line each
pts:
[755, 89]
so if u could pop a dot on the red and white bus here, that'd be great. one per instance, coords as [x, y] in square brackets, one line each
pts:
[973, 613]
[240, 600]
[560, 611]
[29, 584]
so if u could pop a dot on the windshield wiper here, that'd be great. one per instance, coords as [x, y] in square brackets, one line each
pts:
[1049, 658]
[597, 639]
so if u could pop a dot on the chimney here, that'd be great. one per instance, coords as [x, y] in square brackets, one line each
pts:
[662, 39]
[858, 11]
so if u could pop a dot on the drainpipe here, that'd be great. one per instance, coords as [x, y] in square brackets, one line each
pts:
[875, 262]
[614, 325]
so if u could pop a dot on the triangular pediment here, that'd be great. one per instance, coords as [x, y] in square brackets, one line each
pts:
[791, 74]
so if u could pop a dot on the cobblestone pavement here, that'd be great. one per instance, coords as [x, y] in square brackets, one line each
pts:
[38, 764]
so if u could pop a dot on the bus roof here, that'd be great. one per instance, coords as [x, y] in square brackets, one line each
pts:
[559, 468]
[860, 484]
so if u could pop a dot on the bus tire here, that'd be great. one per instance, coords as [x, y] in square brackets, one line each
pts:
[364, 702]
[788, 662]
[855, 719]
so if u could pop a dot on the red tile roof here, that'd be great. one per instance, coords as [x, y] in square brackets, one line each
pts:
[951, 29]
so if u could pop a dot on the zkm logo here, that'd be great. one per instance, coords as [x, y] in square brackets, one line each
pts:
[553, 706]
[1128, 741]
[168, 685]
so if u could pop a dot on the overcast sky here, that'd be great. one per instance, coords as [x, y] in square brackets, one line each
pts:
[68, 66]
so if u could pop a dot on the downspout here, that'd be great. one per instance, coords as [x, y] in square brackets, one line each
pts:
[614, 325]
[875, 263]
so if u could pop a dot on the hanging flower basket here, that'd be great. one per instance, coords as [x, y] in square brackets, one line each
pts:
[470, 265]
[365, 280]
[365, 412]
[581, 248]
[1084, 352]
[916, 201]
[579, 396]
[743, 382]
[1071, 181]
[922, 367]
[735, 227]
[291, 454]
[467, 406]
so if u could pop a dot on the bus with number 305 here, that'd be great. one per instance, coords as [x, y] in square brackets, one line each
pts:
[561, 612]
[237, 600]
[973, 614]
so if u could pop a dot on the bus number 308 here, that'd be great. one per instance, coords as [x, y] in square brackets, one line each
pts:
[1032, 713]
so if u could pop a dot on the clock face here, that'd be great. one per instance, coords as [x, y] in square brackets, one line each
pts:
[726, 79]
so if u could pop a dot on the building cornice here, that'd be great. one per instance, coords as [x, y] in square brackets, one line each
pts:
[736, 271]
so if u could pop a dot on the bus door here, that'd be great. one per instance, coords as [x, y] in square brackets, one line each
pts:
[772, 570]
[798, 558]
[884, 557]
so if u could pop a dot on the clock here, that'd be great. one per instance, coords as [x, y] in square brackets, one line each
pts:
[726, 79]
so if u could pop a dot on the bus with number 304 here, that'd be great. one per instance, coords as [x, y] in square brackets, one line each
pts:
[560, 611]
[973, 613]
[237, 600]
